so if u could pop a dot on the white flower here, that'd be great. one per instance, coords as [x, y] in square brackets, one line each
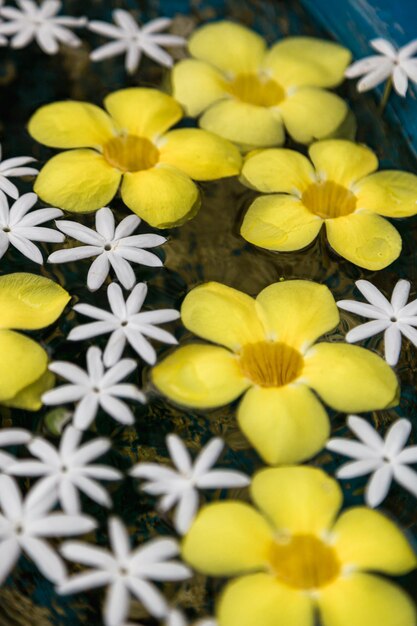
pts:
[176, 617]
[393, 63]
[180, 486]
[24, 525]
[125, 571]
[67, 470]
[95, 388]
[126, 324]
[132, 40]
[19, 228]
[394, 318]
[11, 437]
[33, 22]
[385, 460]
[10, 168]
[112, 247]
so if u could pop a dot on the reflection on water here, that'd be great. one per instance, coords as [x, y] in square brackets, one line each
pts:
[207, 248]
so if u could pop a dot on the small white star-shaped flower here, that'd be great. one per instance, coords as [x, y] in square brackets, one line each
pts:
[67, 470]
[385, 460]
[31, 22]
[11, 437]
[24, 525]
[132, 40]
[180, 486]
[126, 323]
[393, 318]
[113, 247]
[95, 388]
[392, 62]
[14, 167]
[19, 227]
[125, 572]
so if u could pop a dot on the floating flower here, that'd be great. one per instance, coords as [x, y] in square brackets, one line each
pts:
[67, 470]
[11, 437]
[249, 94]
[128, 145]
[95, 388]
[294, 557]
[342, 191]
[19, 228]
[24, 525]
[27, 302]
[394, 319]
[269, 354]
[125, 572]
[133, 40]
[41, 23]
[113, 247]
[10, 168]
[180, 487]
[386, 460]
[126, 323]
[392, 63]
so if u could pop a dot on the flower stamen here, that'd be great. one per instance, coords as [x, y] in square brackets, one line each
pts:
[270, 364]
[129, 153]
[254, 89]
[329, 200]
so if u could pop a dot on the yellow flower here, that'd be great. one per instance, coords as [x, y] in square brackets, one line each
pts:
[248, 94]
[342, 191]
[130, 146]
[269, 356]
[27, 302]
[294, 557]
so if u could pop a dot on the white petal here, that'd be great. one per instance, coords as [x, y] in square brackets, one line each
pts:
[90, 451]
[116, 606]
[400, 81]
[148, 240]
[162, 572]
[80, 232]
[179, 454]
[186, 511]
[153, 471]
[353, 449]
[70, 371]
[208, 457]
[26, 247]
[409, 332]
[410, 67]
[105, 223]
[143, 257]
[117, 409]
[91, 556]
[360, 308]
[154, 551]
[156, 333]
[9, 554]
[116, 301]
[108, 50]
[94, 312]
[98, 272]
[160, 23]
[133, 56]
[148, 595]
[400, 295]
[408, 455]
[365, 432]
[86, 411]
[10, 498]
[127, 226]
[42, 496]
[408, 50]
[384, 47]
[21, 207]
[103, 28]
[406, 477]
[102, 472]
[60, 525]
[67, 255]
[223, 479]
[397, 437]
[156, 53]
[64, 394]
[377, 488]
[376, 77]
[84, 581]
[136, 299]
[367, 330]
[126, 390]
[45, 559]
[114, 348]
[123, 271]
[87, 331]
[159, 316]
[34, 218]
[408, 310]
[8, 187]
[119, 539]
[92, 489]
[358, 468]
[69, 498]
[140, 345]
[118, 372]
[374, 296]
[29, 468]
[14, 436]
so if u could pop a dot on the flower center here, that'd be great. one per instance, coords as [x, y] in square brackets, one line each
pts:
[253, 89]
[304, 562]
[270, 364]
[329, 200]
[131, 154]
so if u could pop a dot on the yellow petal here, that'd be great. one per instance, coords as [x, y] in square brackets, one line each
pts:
[341, 161]
[200, 376]
[228, 538]
[142, 111]
[366, 539]
[248, 125]
[350, 378]
[364, 600]
[200, 154]
[228, 46]
[312, 113]
[78, 181]
[258, 599]
[285, 425]
[306, 61]
[280, 222]
[223, 315]
[278, 170]
[29, 301]
[297, 312]
[196, 85]
[389, 193]
[22, 362]
[365, 239]
[163, 196]
[71, 125]
[298, 500]
[29, 398]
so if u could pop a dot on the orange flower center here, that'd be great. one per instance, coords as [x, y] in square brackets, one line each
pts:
[254, 89]
[270, 364]
[131, 154]
[329, 200]
[304, 562]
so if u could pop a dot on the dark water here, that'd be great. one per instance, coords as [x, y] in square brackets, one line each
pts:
[207, 248]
